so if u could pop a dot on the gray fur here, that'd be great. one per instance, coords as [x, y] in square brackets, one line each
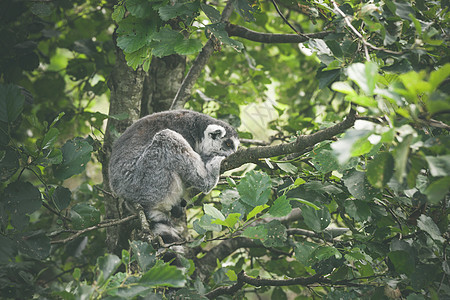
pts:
[161, 155]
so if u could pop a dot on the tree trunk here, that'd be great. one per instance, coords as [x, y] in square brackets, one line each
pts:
[135, 94]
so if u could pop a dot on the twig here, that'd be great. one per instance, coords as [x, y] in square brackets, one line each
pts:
[100, 225]
[198, 66]
[359, 35]
[284, 18]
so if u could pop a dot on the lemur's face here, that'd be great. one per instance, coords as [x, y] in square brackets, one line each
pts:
[216, 142]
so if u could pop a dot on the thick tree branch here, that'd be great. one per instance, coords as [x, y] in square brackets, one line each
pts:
[198, 66]
[239, 31]
[302, 142]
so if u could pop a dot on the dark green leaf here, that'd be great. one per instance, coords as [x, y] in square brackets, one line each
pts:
[187, 11]
[22, 198]
[317, 220]
[358, 185]
[437, 190]
[303, 252]
[62, 197]
[163, 275]
[7, 249]
[11, 102]
[326, 252]
[276, 234]
[380, 169]
[9, 163]
[135, 33]
[212, 13]
[357, 210]
[144, 254]
[244, 9]
[76, 154]
[255, 188]
[403, 263]
[84, 215]
[140, 8]
[164, 42]
[35, 245]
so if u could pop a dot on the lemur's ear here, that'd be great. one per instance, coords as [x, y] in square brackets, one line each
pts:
[215, 134]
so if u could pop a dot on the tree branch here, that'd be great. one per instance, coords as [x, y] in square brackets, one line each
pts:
[302, 142]
[245, 279]
[269, 38]
[100, 225]
[198, 66]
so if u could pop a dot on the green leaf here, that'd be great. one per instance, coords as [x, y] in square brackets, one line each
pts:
[256, 210]
[230, 220]
[49, 138]
[9, 163]
[118, 13]
[401, 154]
[187, 11]
[357, 210]
[439, 165]
[22, 198]
[334, 46]
[84, 215]
[11, 102]
[358, 185]
[243, 8]
[107, 265]
[144, 254]
[7, 249]
[163, 275]
[380, 169]
[317, 220]
[276, 234]
[205, 224]
[218, 30]
[76, 154]
[427, 224]
[164, 42]
[324, 160]
[211, 12]
[140, 8]
[62, 197]
[281, 207]
[213, 212]
[343, 147]
[437, 190]
[303, 251]
[35, 244]
[255, 188]
[288, 168]
[303, 201]
[326, 252]
[403, 263]
[255, 232]
[364, 75]
[188, 47]
[343, 87]
[135, 33]
[231, 275]
[438, 76]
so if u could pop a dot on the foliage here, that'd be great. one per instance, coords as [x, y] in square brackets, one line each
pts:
[374, 203]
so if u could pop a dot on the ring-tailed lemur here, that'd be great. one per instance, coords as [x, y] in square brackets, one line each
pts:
[161, 155]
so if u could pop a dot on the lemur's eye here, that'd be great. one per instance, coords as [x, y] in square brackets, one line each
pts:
[229, 143]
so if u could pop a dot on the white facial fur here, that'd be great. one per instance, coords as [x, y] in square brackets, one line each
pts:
[213, 139]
